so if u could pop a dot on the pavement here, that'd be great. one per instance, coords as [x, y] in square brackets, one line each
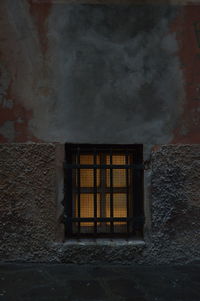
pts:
[70, 282]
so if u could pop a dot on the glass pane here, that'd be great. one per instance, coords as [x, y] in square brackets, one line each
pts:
[119, 204]
[87, 175]
[98, 205]
[87, 205]
[107, 208]
[119, 175]
[87, 208]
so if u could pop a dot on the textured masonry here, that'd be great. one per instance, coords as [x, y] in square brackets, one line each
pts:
[27, 200]
[29, 206]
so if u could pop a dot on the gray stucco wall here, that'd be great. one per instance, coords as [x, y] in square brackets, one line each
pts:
[107, 73]
[116, 73]
[31, 209]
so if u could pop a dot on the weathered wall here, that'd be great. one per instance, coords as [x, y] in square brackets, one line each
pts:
[176, 202]
[28, 206]
[30, 210]
[98, 73]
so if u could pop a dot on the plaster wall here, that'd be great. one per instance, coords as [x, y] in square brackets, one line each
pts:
[98, 73]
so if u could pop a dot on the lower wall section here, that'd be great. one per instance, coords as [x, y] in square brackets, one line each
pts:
[31, 183]
[27, 201]
[176, 203]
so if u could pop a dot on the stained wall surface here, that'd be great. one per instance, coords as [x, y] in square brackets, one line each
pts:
[99, 73]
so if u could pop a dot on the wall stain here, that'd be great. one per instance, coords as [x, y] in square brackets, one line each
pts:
[187, 131]
[19, 115]
[3, 139]
[40, 11]
[11, 107]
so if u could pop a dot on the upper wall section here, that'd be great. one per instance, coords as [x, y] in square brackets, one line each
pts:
[98, 73]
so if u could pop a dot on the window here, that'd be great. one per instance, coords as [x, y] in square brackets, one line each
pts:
[103, 190]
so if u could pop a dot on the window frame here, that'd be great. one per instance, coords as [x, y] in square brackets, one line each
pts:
[137, 168]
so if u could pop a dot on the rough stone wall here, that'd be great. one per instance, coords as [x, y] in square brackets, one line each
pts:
[27, 201]
[176, 202]
[30, 203]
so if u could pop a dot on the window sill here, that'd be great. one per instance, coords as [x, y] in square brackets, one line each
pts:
[105, 242]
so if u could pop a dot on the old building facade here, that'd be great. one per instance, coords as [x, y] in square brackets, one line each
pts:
[99, 73]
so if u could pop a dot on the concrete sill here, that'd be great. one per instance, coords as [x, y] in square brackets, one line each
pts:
[105, 242]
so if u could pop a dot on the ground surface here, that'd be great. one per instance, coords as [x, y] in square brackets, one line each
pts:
[102, 283]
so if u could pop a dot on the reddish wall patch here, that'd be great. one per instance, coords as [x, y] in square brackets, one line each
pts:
[3, 139]
[20, 116]
[187, 28]
[17, 113]
[40, 11]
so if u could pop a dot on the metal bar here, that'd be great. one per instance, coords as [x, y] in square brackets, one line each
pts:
[127, 192]
[95, 192]
[104, 166]
[103, 188]
[138, 209]
[86, 147]
[105, 219]
[123, 235]
[68, 194]
[111, 193]
[78, 192]
[99, 190]
[132, 189]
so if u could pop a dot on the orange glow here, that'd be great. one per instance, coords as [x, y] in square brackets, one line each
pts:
[87, 175]
[119, 175]
[103, 197]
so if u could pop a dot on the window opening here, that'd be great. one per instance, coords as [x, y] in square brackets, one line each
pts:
[104, 190]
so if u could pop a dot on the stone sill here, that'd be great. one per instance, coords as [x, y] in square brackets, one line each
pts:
[105, 242]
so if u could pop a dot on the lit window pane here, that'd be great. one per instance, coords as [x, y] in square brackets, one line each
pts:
[87, 207]
[119, 204]
[119, 175]
[87, 175]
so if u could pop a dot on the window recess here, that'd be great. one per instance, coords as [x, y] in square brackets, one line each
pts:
[103, 190]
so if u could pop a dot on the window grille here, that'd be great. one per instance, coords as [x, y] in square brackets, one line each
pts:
[103, 190]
